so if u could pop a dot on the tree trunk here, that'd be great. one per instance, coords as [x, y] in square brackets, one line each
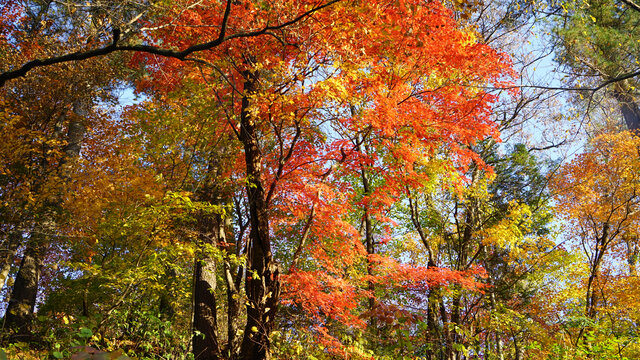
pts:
[446, 329]
[205, 322]
[369, 243]
[263, 284]
[21, 306]
[433, 332]
[519, 350]
[23, 297]
[212, 226]
[497, 334]
[591, 297]
[233, 307]
[629, 108]
[7, 255]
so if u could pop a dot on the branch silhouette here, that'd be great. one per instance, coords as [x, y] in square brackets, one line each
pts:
[150, 49]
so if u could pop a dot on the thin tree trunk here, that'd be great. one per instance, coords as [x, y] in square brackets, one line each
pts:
[498, 336]
[519, 350]
[433, 333]
[499, 346]
[369, 243]
[233, 307]
[446, 327]
[435, 296]
[591, 294]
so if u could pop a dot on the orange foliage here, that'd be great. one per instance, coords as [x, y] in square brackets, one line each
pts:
[397, 77]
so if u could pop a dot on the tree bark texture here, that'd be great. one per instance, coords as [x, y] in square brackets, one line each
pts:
[212, 226]
[205, 322]
[262, 284]
[23, 297]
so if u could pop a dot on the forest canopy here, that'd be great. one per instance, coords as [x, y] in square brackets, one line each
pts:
[309, 179]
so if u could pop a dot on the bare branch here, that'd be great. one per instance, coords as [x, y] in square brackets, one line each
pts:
[632, 5]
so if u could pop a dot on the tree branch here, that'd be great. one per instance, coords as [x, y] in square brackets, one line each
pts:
[632, 5]
[154, 50]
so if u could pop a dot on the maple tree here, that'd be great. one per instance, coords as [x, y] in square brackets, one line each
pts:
[275, 92]
[301, 179]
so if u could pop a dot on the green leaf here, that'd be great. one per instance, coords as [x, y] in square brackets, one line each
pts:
[85, 332]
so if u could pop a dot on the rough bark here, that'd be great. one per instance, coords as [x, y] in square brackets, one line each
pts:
[205, 323]
[23, 297]
[263, 284]
[212, 226]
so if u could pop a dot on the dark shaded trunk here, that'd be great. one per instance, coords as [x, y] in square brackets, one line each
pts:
[592, 293]
[205, 323]
[263, 284]
[23, 297]
[7, 254]
[629, 108]
[434, 335]
[519, 350]
[369, 242]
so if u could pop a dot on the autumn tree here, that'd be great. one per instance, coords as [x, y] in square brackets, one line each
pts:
[47, 117]
[288, 100]
[48, 124]
[597, 194]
